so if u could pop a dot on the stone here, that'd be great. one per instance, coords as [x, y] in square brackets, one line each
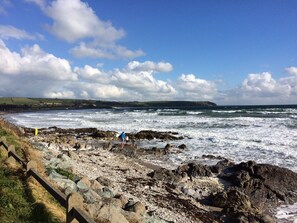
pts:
[263, 183]
[182, 146]
[133, 217]
[138, 208]
[232, 200]
[52, 173]
[90, 197]
[123, 199]
[83, 186]
[116, 202]
[111, 214]
[104, 181]
[194, 170]
[73, 155]
[92, 209]
[106, 193]
[95, 185]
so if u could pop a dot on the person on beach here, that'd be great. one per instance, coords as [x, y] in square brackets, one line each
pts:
[122, 138]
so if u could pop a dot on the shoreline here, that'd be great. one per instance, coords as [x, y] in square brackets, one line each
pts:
[199, 185]
[191, 193]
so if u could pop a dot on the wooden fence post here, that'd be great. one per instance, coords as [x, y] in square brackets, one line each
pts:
[10, 161]
[3, 139]
[3, 151]
[74, 200]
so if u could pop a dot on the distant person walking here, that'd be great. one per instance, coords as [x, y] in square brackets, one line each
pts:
[122, 138]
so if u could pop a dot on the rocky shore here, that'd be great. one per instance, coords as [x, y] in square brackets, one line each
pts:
[119, 185]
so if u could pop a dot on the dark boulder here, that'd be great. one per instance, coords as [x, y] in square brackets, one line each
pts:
[263, 183]
[182, 146]
[104, 134]
[237, 207]
[221, 165]
[194, 170]
[163, 174]
[150, 135]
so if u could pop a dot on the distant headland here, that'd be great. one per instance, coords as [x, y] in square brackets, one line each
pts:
[32, 104]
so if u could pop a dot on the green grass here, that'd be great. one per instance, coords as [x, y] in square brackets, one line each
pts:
[65, 173]
[18, 101]
[10, 140]
[16, 201]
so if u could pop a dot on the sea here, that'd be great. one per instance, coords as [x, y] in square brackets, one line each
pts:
[265, 134]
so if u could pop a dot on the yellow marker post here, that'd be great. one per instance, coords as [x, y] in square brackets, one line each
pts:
[36, 131]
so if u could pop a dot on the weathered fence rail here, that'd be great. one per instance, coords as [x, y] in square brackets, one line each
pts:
[73, 202]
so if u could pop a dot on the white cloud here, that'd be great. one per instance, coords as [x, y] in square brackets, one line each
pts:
[149, 66]
[138, 84]
[102, 91]
[7, 31]
[262, 88]
[59, 94]
[92, 74]
[34, 73]
[76, 21]
[291, 70]
[33, 61]
[140, 79]
[263, 85]
[110, 51]
[192, 88]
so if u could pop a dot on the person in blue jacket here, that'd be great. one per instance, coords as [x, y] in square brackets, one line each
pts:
[122, 138]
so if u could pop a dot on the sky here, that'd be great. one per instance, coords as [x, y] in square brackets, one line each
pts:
[231, 52]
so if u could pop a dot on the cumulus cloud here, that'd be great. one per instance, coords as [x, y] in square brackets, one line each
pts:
[196, 89]
[262, 88]
[291, 70]
[263, 85]
[33, 61]
[139, 77]
[59, 94]
[149, 66]
[33, 72]
[7, 31]
[92, 74]
[132, 82]
[76, 21]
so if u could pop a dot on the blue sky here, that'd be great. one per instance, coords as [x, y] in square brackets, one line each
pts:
[225, 51]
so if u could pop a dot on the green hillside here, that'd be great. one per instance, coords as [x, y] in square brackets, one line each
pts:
[17, 104]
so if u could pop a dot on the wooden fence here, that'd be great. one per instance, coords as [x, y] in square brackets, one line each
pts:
[73, 202]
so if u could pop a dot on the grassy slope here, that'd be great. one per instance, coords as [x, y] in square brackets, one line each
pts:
[77, 103]
[23, 200]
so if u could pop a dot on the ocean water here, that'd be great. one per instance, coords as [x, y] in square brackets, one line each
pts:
[264, 134]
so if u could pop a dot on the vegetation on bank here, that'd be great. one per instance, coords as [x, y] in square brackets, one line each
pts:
[22, 199]
[7, 104]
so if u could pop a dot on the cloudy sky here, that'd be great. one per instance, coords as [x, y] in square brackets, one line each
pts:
[225, 51]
